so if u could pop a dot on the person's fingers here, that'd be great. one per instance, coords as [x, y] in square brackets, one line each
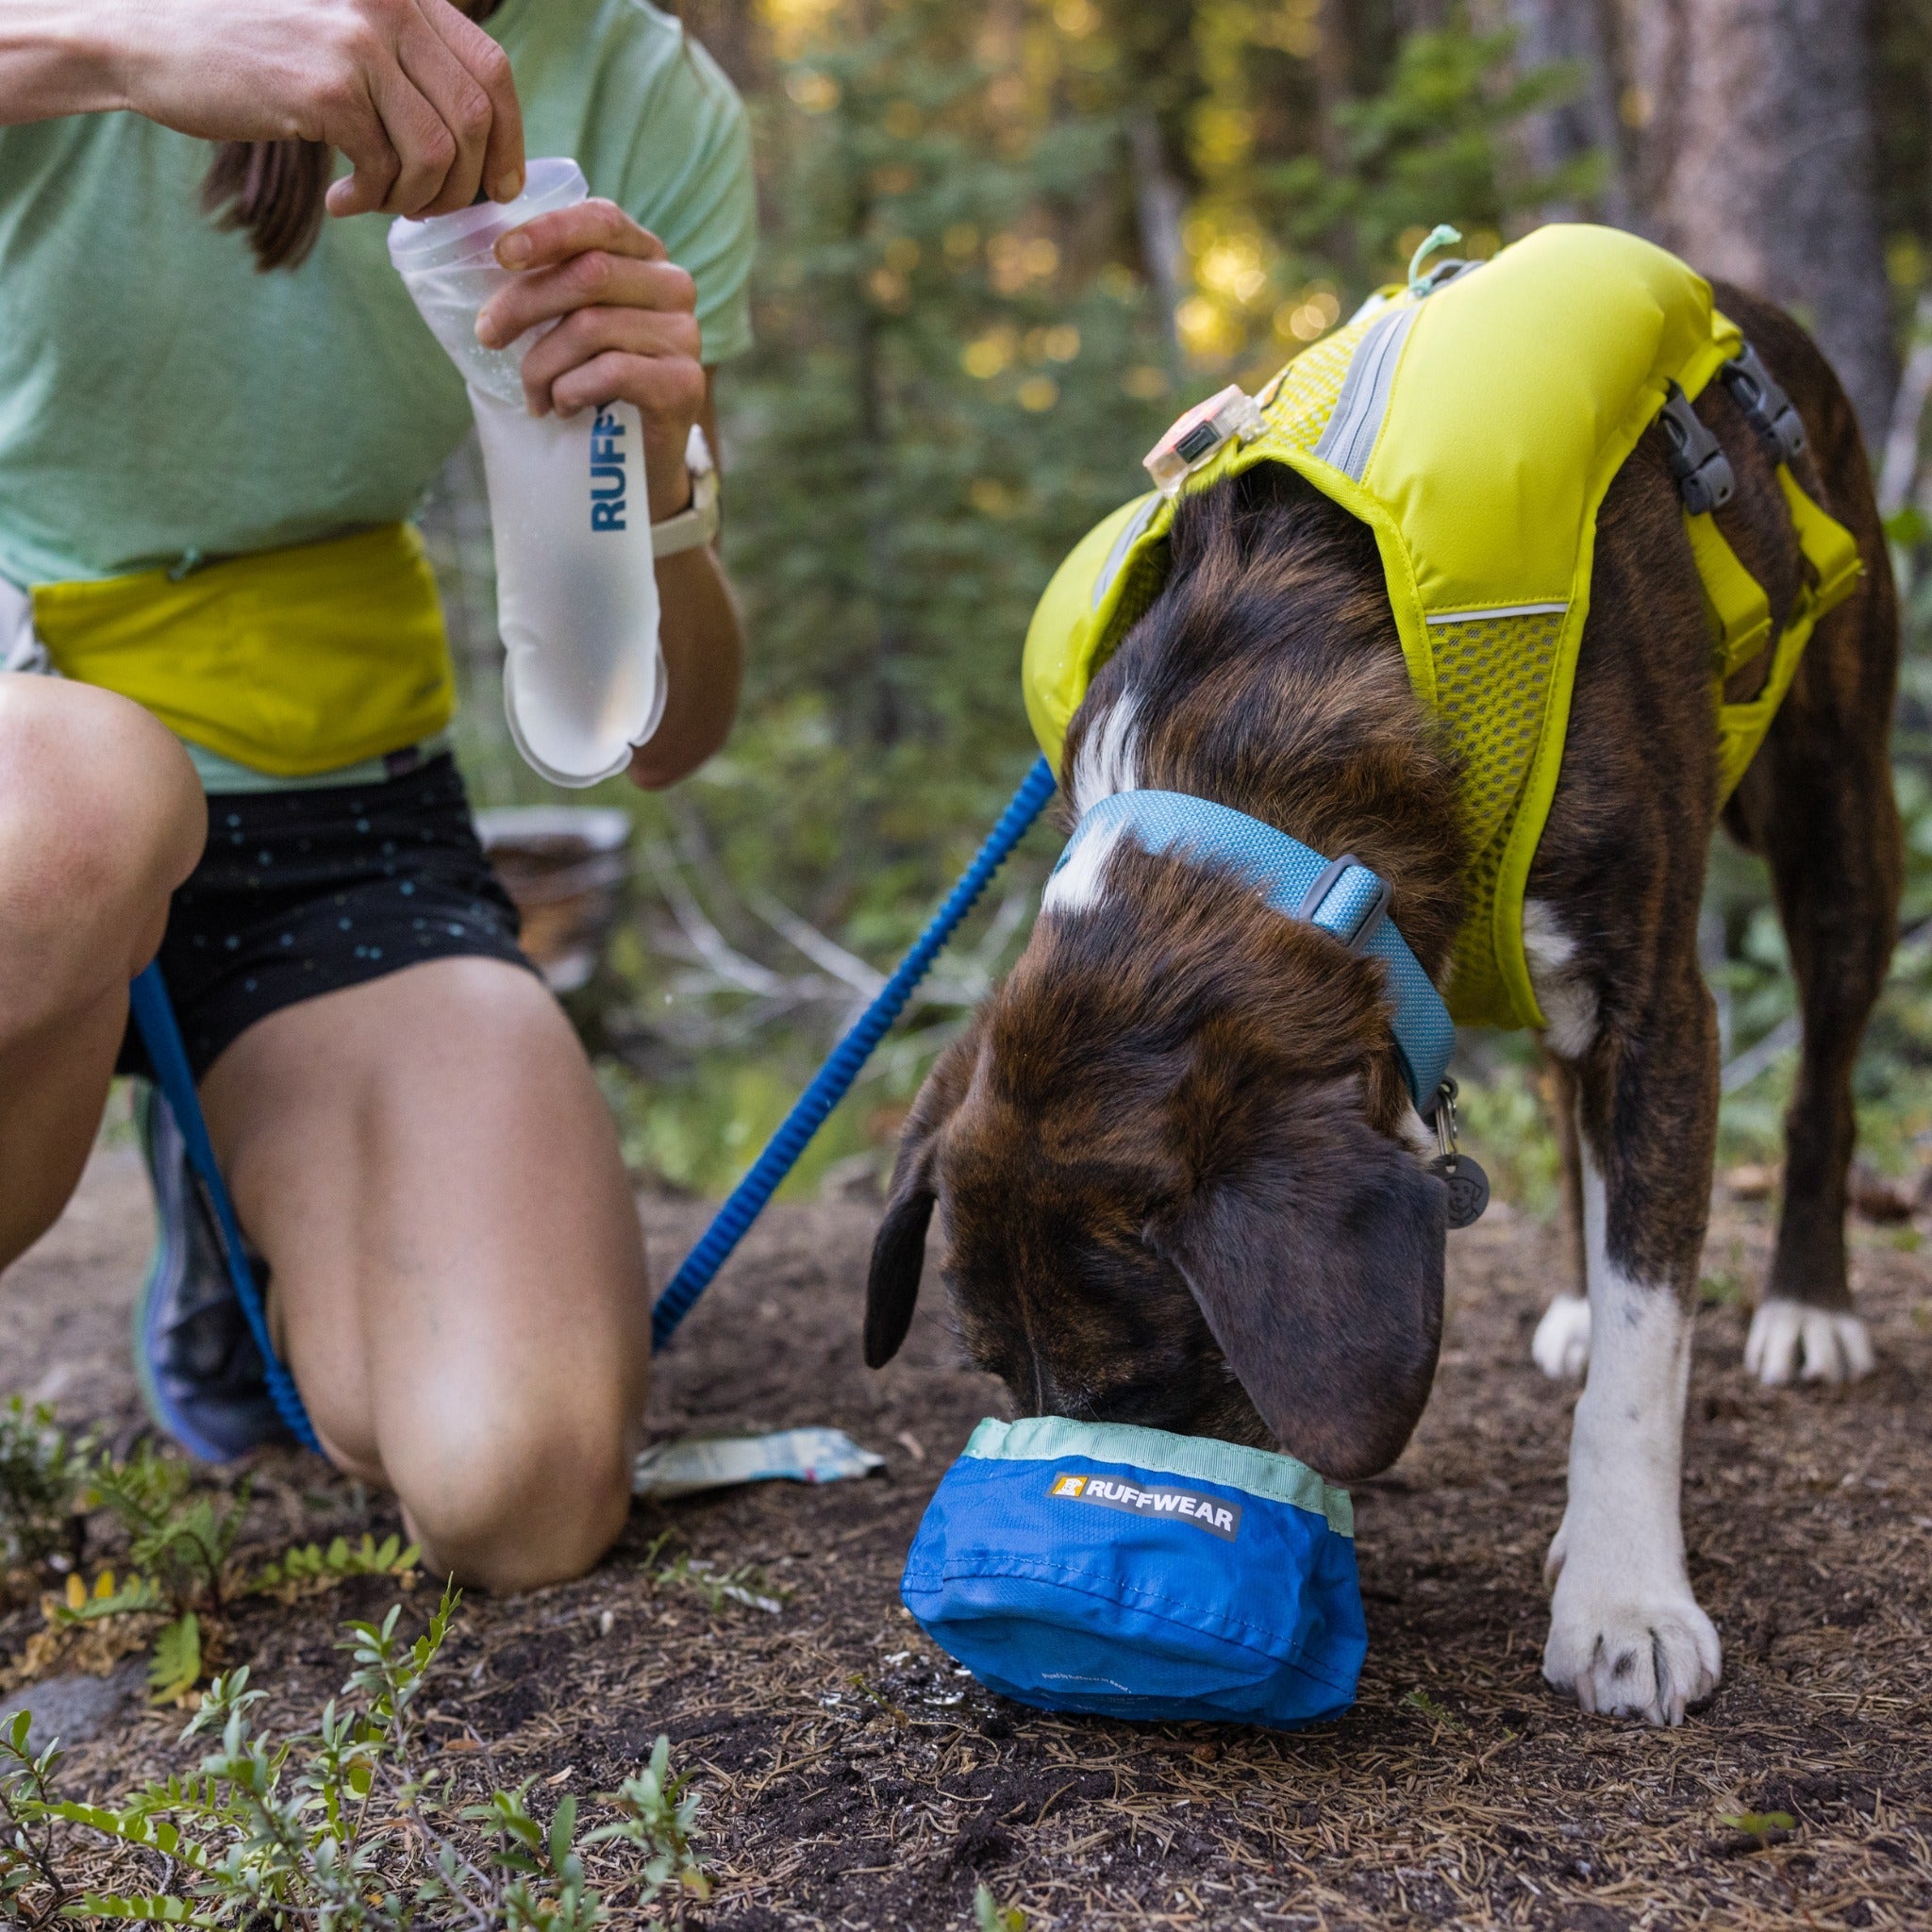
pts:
[663, 389]
[567, 232]
[594, 279]
[461, 105]
[352, 122]
[488, 67]
[426, 149]
[583, 338]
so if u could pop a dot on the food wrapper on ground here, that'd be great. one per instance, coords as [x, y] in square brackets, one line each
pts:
[692, 1463]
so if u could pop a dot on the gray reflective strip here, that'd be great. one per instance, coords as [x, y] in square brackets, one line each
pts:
[1350, 436]
[1122, 544]
[1496, 610]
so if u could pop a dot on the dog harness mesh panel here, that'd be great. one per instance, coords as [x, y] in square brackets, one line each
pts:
[1475, 424]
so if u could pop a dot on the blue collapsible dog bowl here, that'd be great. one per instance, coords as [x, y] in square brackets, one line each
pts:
[1130, 1572]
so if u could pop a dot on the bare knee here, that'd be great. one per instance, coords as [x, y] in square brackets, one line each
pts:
[101, 818]
[513, 1507]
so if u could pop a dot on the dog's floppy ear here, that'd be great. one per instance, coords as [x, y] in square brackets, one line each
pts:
[1319, 1268]
[898, 1250]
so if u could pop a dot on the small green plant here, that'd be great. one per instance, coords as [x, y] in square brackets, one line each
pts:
[1419, 1700]
[178, 1534]
[313, 1566]
[1757, 1824]
[744, 1583]
[44, 1473]
[348, 1827]
[33, 1891]
[658, 1812]
[989, 1915]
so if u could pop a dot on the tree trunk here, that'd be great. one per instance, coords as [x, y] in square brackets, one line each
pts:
[1582, 33]
[1758, 166]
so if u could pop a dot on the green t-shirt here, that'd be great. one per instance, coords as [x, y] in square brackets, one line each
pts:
[158, 397]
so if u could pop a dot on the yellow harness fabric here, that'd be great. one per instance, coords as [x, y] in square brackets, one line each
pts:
[1475, 423]
[294, 661]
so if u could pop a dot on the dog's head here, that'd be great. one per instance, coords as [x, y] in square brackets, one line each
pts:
[1178, 1181]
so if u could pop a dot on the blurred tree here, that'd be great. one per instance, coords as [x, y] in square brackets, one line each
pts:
[1761, 165]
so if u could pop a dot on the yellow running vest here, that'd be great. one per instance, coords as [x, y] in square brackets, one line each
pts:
[1474, 422]
[293, 661]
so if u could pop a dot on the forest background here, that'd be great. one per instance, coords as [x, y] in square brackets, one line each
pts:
[1004, 244]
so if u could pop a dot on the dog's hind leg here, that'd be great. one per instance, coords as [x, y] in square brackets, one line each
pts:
[1818, 802]
[1626, 1634]
[1560, 1347]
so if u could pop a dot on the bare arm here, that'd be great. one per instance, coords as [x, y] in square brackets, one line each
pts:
[704, 646]
[417, 96]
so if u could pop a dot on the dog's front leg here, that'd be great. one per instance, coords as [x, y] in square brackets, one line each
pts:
[1626, 1635]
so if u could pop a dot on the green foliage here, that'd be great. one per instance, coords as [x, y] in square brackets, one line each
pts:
[311, 1564]
[1758, 1824]
[657, 1814]
[43, 1472]
[343, 1827]
[989, 1915]
[743, 1583]
[178, 1533]
[175, 1669]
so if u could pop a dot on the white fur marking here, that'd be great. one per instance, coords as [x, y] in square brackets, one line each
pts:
[1626, 1635]
[1566, 997]
[1076, 885]
[1108, 760]
[1790, 1340]
[1561, 1345]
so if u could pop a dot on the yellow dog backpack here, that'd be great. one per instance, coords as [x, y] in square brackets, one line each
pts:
[1474, 421]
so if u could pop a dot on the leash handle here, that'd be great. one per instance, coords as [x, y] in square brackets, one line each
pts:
[834, 1080]
[153, 1014]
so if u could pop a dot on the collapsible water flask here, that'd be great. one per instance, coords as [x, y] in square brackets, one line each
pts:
[1130, 1572]
[577, 590]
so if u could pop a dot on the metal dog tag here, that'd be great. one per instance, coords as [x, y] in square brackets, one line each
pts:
[1468, 1188]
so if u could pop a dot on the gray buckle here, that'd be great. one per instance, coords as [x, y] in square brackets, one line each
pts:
[1766, 406]
[1326, 880]
[1697, 459]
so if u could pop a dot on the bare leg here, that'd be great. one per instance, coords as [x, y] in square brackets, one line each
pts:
[101, 818]
[457, 1273]
[1626, 1634]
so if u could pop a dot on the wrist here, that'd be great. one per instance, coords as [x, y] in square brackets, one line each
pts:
[670, 487]
[66, 59]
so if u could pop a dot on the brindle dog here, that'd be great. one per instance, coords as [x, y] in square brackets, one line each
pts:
[1180, 1179]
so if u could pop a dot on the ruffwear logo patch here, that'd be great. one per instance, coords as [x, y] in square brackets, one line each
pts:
[1218, 1517]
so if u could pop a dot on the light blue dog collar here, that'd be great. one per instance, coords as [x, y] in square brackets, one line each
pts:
[1340, 895]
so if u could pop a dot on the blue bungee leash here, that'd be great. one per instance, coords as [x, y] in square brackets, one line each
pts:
[833, 1081]
[154, 1016]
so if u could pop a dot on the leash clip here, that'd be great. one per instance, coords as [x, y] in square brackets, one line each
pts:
[1697, 459]
[1766, 406]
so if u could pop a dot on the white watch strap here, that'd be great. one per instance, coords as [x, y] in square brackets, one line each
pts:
[697, 522]
[691, 527]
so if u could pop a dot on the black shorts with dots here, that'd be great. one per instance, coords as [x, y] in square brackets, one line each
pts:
[305, 893]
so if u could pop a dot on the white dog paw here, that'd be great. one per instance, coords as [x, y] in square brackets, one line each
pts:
[1791, 1340]
[1561, 1346]
[1624, 1650]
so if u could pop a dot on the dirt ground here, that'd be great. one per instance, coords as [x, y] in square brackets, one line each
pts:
[851, 1778]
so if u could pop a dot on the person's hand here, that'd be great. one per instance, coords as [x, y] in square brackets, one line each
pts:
[417, 96]
[628, 330]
